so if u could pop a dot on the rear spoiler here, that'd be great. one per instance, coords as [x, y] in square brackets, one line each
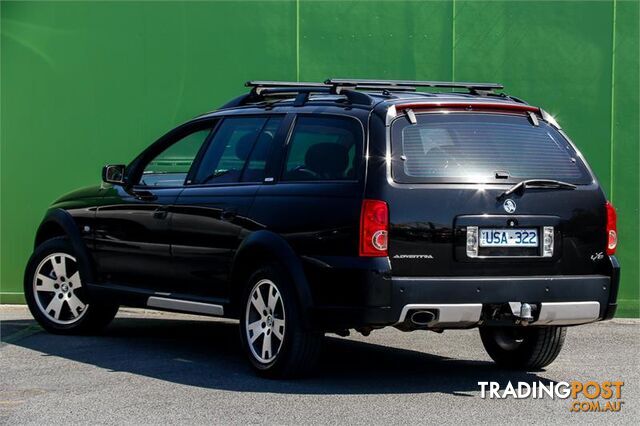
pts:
[408, 108]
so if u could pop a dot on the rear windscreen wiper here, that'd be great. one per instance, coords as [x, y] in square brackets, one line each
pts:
[536, 183]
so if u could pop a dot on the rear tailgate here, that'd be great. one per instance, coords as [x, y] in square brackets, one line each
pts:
[448, 174]
[431, 240]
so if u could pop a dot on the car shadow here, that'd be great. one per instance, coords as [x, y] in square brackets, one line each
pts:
[207, 354]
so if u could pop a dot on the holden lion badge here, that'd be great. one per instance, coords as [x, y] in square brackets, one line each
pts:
[509, 205]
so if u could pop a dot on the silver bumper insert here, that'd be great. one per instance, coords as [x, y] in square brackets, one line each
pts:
[460, 315]
[568, 313]
[447, 315]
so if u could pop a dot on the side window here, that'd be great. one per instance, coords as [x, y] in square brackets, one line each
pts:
[323, 148]
[228, 150]
[256, 166]
[170, 167]
[238, 141]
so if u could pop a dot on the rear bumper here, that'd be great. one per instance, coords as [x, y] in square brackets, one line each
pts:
[559, 298]
[464, 315]
[463, 301]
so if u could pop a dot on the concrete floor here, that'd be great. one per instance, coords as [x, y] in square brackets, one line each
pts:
[151, 367]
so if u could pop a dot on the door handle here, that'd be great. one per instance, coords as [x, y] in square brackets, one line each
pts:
[144, 195]
[160, 213]
[228, 214]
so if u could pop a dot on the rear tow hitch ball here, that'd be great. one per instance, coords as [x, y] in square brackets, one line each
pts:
[525, 313]
[522, 312]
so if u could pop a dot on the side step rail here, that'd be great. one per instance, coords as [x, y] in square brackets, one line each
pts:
[185, 306]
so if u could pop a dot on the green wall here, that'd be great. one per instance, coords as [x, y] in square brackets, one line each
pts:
[87, 83]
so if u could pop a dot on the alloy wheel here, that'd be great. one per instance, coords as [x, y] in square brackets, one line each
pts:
[265, 321]
[57, 289]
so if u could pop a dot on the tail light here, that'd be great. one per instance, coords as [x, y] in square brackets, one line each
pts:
[612, 229]
[374, 228]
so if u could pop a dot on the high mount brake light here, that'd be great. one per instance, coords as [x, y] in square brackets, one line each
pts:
[612, 229]
[469, 106]
[374, 228]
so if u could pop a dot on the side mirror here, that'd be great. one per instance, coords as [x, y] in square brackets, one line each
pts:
[114, 174]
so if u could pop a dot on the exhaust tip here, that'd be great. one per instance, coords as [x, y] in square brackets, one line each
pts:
[422, 318]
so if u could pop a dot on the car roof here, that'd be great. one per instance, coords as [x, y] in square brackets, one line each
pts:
[358, 95]
[380, 101]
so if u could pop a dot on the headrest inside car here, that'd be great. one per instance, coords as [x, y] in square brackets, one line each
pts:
[263, 145]
[244, 144]
[328, 160]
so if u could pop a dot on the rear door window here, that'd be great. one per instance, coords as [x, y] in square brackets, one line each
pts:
[323, 148]
[467, 147]
[227, 152]
[238, 151]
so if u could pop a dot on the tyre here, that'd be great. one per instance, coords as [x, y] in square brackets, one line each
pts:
[529, 348]
[55, 292]
[271, 330]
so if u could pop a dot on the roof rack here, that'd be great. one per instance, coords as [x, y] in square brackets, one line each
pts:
[263, 90]
[472, 87]
[259, 86]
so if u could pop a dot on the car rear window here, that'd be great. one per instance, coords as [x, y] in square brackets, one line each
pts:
[464, 147]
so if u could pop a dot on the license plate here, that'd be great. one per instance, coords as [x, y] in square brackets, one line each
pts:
[508, 238]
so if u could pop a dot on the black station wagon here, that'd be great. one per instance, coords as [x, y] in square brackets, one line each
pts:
[309, 208]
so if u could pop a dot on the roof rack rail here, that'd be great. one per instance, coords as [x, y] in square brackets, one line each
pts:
[274, 89]
[261, 85]
[262, 90]
[274, 83]
[471, 86]
[265, 89]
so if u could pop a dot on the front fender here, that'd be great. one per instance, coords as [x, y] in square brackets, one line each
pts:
[58, 222]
